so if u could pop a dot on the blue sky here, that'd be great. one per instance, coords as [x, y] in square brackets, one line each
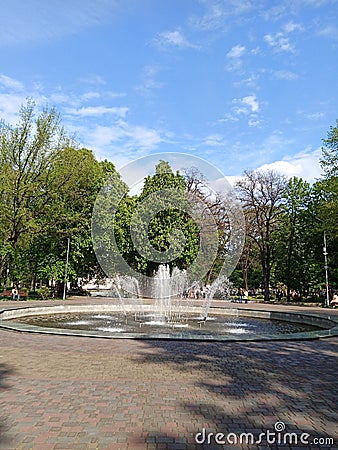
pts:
[244, 84]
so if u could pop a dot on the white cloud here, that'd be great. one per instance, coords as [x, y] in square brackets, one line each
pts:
[60, 97]
[142, 137]
[252, 102]
[314, 116]
[121, 137]
[329, 31]
[103, 136]
[233, 179]
[27, 22]
[173, 39]
[236, 51]
[275, 142]
[10, 83]
[292, 26]
[274, 13]
[90, 95]
[234, 58]
[218, 11]
[285, 75]
[102, 128]
[304, 164]
[91, 111]
[94, 80]
[251, 81]
[149, 82]
[246, 105]
[279, 42]
[228, 117]
[10, 105]
[317, 3]
[252, 122]
[213, 140]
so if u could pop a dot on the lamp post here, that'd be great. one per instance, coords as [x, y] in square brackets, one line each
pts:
[66, 270]
[327, 299]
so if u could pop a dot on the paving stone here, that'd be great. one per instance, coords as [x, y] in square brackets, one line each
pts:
[64, 392]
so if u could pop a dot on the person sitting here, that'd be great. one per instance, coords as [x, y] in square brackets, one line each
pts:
[334, 301]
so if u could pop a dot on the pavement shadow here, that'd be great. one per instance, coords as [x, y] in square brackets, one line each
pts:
[252, 386]
[5, 373]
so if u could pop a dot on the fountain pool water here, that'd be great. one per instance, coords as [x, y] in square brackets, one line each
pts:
[167, 314]
[113, 321]
[115, 324]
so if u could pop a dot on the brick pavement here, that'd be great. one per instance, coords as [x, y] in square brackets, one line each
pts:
[63, 392]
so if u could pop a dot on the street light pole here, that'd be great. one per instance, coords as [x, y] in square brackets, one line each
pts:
[66, 271]
[327, 300]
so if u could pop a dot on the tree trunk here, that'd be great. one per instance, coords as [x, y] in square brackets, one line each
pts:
[266, 266]
[245, 277]
[266, 286]
[289, 260]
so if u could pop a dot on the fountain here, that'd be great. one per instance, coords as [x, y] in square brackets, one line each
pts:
[168, 314]
[158, 307]
[168, 293]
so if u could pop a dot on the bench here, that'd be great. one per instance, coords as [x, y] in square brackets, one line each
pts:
[8, 293]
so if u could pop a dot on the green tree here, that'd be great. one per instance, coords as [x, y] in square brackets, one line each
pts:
[328, 194]
[294, 254]
[165, 231]
[325, 211]
[69, 216]
[329, 159]
[27, 153]
[48, 187]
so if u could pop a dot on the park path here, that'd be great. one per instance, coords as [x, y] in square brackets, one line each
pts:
[64, 392]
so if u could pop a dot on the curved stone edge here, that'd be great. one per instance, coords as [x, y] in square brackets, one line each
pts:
[327, 323]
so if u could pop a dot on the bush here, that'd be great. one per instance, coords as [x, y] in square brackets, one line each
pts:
[44, 293]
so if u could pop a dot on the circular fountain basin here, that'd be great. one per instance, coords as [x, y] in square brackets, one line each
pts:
[144, 322]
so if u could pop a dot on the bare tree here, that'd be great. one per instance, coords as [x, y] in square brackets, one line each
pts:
[223, 209]
[261, 193]
[248, 260]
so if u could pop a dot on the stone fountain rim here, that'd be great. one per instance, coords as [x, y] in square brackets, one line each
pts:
[328, 324]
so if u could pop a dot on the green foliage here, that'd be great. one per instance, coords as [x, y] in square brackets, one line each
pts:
[43, 292]
[329, 159]
[294, 251]
[49, 186]
[27, 154]
[160, 224]
[47, 191]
